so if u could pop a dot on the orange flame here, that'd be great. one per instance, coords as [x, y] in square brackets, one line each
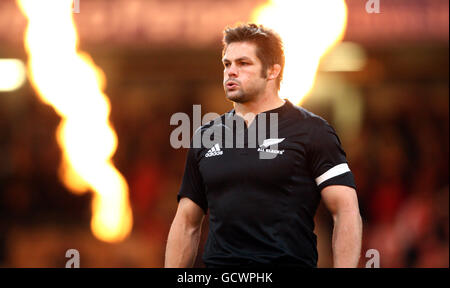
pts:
[71, 83]
[309, 29]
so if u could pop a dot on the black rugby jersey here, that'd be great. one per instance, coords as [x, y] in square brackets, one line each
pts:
[261, 211]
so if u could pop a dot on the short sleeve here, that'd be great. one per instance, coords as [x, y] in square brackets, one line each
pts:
[327, 159]
[192, 186]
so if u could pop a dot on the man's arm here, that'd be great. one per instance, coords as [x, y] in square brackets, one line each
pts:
[342, 203]
[184, 235]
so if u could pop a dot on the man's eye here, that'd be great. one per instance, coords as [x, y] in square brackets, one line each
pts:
[226, 64]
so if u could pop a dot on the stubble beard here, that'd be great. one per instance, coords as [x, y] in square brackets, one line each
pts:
[238, 96]
[241, 96]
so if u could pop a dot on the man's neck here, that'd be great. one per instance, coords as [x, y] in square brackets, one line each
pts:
[249, 110]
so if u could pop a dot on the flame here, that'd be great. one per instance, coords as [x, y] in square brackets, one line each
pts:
[71, 83]
[309, 29]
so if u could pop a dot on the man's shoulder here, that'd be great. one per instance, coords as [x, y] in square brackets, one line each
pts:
[216, 122]
[305, 117]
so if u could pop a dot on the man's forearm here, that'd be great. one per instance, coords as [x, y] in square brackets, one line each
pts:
[182, 246]
[347, 237]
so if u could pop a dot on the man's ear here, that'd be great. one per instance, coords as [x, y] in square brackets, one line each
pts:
[273, 72]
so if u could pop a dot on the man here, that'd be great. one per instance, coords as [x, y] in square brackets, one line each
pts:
[261, 211]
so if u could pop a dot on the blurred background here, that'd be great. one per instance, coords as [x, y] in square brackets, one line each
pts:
[384, 87]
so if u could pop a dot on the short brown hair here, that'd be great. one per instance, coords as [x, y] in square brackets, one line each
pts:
[268, 43]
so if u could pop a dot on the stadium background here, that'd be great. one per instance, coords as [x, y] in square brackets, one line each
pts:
[160, 58]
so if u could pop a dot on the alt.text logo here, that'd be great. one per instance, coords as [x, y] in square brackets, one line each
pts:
[74, 261]
[374, 258]
[76, 6]
[229, 130]
[373, 6]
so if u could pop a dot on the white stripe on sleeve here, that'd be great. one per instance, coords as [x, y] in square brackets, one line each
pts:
[333, 172]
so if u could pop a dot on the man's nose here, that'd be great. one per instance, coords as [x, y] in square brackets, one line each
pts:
[232, 71]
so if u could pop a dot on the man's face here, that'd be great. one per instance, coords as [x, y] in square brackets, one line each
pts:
[242, 77]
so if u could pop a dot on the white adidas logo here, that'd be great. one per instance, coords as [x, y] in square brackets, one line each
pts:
[214, 151]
